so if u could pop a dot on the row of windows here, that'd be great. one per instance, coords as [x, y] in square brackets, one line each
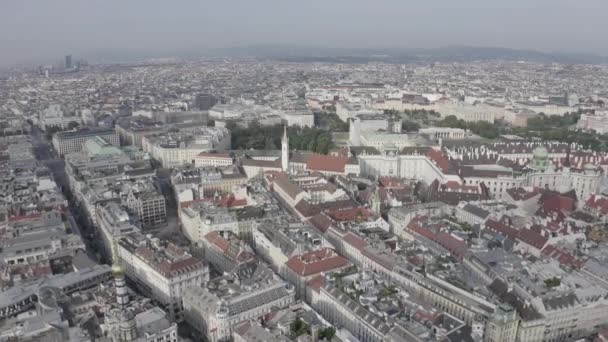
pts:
[29, 250]
[22, 260]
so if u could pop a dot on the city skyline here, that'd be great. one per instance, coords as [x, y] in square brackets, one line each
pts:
[303, 172]
[38, 32]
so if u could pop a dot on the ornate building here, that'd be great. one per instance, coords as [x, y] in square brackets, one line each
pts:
[125, 322]
[543, 173]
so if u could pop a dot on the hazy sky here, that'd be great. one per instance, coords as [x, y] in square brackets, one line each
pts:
[34, 30]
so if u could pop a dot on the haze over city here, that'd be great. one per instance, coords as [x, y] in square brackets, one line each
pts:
[303, 171]
[36, 31]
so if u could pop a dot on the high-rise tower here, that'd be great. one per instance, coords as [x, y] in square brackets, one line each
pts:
[68, 62]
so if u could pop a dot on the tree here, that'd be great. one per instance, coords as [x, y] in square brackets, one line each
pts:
[466, 227]
[552, 282]
[409, 126]
[331, 122]
[298, 327]
[269, 144]
[453, 122]
[388, 291]
[268, 137]
[324, 143]
[257, 142]
[254, 125]
[421, 115]
[543, 122]
[327, 333]
[558, 128]
[481, 128]
[73, 125]
[231, 125]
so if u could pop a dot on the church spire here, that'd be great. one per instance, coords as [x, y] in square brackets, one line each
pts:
[285, 151]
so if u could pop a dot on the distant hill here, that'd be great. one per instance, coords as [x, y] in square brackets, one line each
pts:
[403, 55]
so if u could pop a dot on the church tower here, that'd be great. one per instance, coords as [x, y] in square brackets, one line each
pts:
[285, 151]
[120, 284]
[127, 326]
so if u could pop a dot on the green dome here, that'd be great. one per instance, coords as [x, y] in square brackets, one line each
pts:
[540, 152]
[540, 160]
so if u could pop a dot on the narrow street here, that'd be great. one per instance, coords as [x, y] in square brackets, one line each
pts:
[172, 231]
[44, 152]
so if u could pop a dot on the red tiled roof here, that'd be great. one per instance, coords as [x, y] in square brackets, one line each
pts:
[415, 226]
[455, 186]
[231, 202]
[315, 262]
[166, 267]
[439, 158]
[456, 247]
[557, 202]
[328, 187]
[350, 214]
[555, 215]
[532, 238]
[309, 210]
[272, 164]
[354, 241]
[382, 260]
[144, 252]
[291, 189]
[172, 268]
[564, 257]
[215, 239]
[317, 283]
[40, 271]
[321, 222]
[242, 328]
[415, 260]
[598, 203]
[391, 182]
[214, 155]
[187, 204]
[424, 315]
[501, 228]
[320, 162]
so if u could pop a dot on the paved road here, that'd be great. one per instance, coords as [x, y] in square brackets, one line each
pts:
[173, 230]
[43, 150]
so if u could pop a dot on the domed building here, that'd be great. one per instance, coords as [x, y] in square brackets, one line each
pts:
[126, 321]
[543, 173]
[214, 311]
[540, 159]
[589, 168]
